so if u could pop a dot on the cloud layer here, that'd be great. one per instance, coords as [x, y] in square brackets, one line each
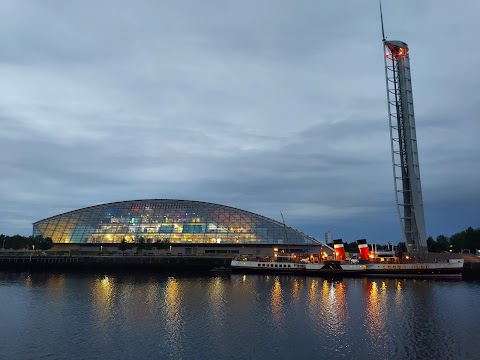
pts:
[269, 107]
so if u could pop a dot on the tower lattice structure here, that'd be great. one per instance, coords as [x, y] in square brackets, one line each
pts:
[403, 138]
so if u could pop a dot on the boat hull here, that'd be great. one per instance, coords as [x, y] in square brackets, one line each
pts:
[450, 270]
[418, 270]
[266, 267]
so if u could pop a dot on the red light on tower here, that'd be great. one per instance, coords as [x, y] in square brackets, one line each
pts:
[402, 52]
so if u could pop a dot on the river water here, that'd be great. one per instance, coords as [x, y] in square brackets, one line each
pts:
[178, 316]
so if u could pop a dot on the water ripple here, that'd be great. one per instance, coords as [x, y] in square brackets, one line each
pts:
[75, 316]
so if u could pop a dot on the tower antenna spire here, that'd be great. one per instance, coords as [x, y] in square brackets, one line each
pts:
[381, 20]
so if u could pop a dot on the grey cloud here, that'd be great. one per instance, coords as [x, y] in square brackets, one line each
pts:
[271, 106]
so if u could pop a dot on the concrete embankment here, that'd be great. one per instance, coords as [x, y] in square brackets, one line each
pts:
[92, 263]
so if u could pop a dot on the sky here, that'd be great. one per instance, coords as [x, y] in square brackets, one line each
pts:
[269, 106]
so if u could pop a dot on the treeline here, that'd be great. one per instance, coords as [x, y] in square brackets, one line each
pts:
[464, 241]
[25, 242]
[17, 242]
[142, 244]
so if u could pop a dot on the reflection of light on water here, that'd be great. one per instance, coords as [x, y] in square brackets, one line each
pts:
[55, 283]
[334, 306]
[277, 300]
[216, 292]
[312, 293]
[244, 278]
[328, 306]
[295, 291]
[151, 296]
[376, 309]
[172, 308]
[103, 290]
[216, 295]
[341, 305]
[399, 295]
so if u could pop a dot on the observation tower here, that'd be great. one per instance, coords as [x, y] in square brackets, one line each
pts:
[403, 139]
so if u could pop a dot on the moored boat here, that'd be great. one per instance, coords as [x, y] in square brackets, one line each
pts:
[450, 269]
[382, 264]
[267, 265]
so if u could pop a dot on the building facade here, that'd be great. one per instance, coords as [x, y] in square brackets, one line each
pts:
[175, 221]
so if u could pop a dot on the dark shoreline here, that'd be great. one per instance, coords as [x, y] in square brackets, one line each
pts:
[88, 263]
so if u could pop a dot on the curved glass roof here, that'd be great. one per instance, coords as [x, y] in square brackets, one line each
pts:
[178, 221]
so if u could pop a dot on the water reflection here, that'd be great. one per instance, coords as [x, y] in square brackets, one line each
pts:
[237, 317]
[328, 306]
[399, 296]
[173, 315]
[334, 306]
[376, 308]
[295, 291]
[28, 281]
[103, 293]
[216, 295]
[276, 301]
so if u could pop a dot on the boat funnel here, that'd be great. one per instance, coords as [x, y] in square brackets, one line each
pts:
[363, 248]
[339, 250]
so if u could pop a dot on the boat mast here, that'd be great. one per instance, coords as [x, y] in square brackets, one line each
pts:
[284, 228]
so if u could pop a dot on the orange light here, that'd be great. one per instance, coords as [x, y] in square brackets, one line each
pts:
[402, 52]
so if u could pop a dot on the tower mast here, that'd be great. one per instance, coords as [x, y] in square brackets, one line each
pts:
[403, 140]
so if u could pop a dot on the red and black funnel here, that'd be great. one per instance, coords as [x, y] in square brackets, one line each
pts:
[364, 250]
[339, 249]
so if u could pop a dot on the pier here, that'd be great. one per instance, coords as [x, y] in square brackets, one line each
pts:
[40, 262]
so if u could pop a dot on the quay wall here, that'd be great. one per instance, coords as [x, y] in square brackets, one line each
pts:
[130, 262]
[120, 263]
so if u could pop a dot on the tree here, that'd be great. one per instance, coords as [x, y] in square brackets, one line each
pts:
[123, 245]
[148, 245]
[401, 247]
[162, 244]
[140, 243]
[458, 241]
[432, 245]
[43, 243]
[351, 247]
[443, 243]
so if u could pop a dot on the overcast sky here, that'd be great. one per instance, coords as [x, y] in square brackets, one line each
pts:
[268, 106]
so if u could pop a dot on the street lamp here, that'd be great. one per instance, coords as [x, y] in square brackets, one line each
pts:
[101, 249]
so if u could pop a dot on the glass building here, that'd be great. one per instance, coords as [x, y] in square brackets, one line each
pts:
[178, 221]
